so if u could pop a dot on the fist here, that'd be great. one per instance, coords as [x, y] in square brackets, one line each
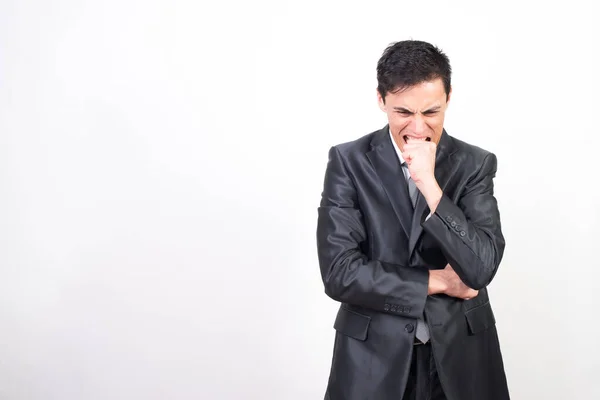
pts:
[420, 157]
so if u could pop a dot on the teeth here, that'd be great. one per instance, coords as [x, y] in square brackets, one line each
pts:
[407, 138]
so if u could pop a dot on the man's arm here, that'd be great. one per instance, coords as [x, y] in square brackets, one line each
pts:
[469, 233]
[348, 275]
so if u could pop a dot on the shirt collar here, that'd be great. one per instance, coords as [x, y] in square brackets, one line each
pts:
[398, 152]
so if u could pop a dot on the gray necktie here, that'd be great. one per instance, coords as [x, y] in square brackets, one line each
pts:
[422, 330]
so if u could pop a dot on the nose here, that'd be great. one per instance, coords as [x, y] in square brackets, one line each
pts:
[418, 124]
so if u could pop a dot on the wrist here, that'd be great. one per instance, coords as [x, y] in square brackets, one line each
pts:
[432, 193]
[436, 283]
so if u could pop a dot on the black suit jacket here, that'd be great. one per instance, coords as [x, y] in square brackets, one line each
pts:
[375, 252]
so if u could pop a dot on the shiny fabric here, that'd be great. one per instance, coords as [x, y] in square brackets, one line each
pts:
[375, 252]
[423, 381]
[422, 332]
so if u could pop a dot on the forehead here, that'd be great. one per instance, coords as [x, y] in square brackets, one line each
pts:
[425, 94]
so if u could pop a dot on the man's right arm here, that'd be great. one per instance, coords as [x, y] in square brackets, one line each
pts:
[348, 275]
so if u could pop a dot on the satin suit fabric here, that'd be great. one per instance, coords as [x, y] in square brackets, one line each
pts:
[375, 252]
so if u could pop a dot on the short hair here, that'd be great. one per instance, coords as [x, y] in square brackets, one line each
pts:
[408, 63]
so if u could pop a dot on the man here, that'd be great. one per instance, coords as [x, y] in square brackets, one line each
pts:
[409, 238]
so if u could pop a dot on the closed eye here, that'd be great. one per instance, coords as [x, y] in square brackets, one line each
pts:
[431, 111]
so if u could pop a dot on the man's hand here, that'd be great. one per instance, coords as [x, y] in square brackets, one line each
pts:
[446, 281]
[420, 157]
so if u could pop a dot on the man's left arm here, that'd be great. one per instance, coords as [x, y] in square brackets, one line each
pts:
[469, 233]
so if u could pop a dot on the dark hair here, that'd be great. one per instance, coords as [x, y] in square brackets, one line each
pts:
[410, 62]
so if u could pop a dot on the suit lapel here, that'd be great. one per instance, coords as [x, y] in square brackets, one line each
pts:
[385, 161]
[443, 172]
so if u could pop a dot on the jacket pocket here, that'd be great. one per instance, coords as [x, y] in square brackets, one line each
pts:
[476, 301]
[351, 323]
[480, 318]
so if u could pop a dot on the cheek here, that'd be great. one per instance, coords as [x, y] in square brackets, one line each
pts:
[397, 121]
[436, 123]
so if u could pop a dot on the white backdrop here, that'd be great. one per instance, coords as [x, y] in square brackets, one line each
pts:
[161, 163]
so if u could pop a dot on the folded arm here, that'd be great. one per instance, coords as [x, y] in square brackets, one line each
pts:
[348, 275]
[469, 233]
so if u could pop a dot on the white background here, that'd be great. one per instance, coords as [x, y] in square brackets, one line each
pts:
[161, 163]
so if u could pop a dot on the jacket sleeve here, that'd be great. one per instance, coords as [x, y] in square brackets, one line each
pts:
[348, 275]
[469, 233]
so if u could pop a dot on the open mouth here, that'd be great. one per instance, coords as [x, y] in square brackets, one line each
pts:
[409, 138]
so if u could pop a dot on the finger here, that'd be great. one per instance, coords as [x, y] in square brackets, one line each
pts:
[411, 147]
[469, 294]
[418, 143]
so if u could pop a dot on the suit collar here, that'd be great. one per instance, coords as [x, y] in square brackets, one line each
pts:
[384, 159]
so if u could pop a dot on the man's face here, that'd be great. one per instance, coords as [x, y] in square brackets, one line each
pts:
[416, 113]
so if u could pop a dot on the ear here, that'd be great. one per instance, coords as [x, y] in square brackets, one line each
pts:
[381, 102]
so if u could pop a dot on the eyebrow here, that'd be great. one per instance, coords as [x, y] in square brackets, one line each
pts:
[406, 110]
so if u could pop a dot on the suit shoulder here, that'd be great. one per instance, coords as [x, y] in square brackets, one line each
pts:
[471, 152]
[357, 146]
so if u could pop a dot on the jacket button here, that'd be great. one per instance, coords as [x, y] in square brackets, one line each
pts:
[453, 224]
[386, 307]
[457, 228]
[449, 218]
[409, 328]
[463, 233]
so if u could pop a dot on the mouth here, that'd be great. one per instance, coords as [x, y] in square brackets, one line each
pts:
[408, 138]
